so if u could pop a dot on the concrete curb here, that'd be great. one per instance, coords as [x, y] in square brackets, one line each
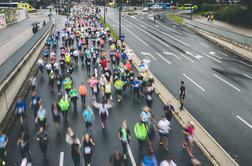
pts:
[244, 53]
[209, 146]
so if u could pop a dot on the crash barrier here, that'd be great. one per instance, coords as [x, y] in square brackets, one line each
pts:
[15, 71]
[235, 38]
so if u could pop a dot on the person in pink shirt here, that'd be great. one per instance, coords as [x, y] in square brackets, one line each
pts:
[93, 82]
[189, 132]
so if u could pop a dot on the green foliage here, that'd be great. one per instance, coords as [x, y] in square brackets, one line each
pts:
[235, 15]
[209, 7]
[175, 18]
[113, 33]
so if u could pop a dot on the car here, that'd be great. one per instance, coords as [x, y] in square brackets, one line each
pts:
[156, 7]
[145, 9]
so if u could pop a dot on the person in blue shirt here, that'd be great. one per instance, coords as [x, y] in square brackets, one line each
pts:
[136, 86]
[3, 143]
[88, 116]
[34, 103]
[149, 160]
[124, 57]
[20, 109]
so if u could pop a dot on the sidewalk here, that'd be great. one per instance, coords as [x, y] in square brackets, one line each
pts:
[225, 25]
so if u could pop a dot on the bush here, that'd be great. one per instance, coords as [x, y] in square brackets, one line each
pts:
[113, 33]
[209, 7]
[235, 15]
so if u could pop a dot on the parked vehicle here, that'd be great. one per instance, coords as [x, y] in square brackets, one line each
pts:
[156, 7]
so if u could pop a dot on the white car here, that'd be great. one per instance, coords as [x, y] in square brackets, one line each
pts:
[146, 9]
[156, 7]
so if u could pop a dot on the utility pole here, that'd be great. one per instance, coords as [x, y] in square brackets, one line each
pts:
[104, 11]
[191, 9]
[120, 19]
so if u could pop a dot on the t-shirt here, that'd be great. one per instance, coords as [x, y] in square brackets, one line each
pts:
[163, 126]
[182, 91]
[115, 161]
[150, 161]
[88, 115]
[145, 116]
[166, 163]
[20, 106]
[136, 84]
[35, 100]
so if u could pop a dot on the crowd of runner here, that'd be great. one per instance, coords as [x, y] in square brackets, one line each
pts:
[84, 40]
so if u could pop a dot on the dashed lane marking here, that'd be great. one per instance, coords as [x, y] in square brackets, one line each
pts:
[163, 58]
[249, 125]
[194, 83]
[227, 82]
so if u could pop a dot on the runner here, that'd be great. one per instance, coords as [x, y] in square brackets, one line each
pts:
[34, 103]
[168, 162]
[83, 94]
[116, 159]
[75, 150]
[23, 145]
[56, 114]
[164, 130]
[188, 132]
[89, 117]
[41, 117]
[124, 137]
[20, 110]
[87, 148]
[73, 94]
[64, 106]
[141, 133]
[149, 160]
[168, 109]
[3, 142]
[42, 138]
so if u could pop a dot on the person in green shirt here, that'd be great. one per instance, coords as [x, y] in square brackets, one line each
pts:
[64, 106]
[141, 133]
[67, 82]
[73, 94]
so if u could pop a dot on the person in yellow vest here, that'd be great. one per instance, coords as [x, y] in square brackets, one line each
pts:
[108, 90]
[68, 58]
[64, 106]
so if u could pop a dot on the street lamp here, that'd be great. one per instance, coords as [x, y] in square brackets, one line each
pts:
[120, 19]
[104, 11]
[191, 9]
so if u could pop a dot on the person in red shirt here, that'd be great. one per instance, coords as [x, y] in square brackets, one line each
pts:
[104, 63]
[189, 132]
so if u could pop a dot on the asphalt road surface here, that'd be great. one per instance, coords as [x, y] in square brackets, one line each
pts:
[106, 140]
[218, 83]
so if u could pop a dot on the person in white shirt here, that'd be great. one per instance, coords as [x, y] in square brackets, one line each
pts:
[164, 130]
[168, 162]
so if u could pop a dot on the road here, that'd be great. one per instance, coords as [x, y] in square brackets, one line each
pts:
[19, 33]
[106, 140]
[218, 83]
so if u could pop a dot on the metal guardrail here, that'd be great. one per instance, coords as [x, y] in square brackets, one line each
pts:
[14, 59]
[235, 37]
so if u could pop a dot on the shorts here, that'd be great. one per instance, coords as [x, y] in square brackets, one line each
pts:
[163, 135]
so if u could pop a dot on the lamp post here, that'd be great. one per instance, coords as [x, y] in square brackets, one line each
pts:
[191, 9]
[104, 11]
[120, 19]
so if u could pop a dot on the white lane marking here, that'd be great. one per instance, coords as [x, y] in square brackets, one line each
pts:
[132, 34]
[212, 58]
[129, 26]
[221, 52]
[186, 57]
[194, 56]
[61, 162]
[214, 54]
[142, 25]
[227, 82]
[194, 82]
[183, 43]
[163, 58]
[170, 53]
[133, 162]
[249, 125]
[204, 45]
[156, 26]
[247, 76]
[170, 28]
[245, 63]
[146, 53]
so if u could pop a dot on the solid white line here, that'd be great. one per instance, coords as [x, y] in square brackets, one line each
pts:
[212, 58]
[249, 125]
[183, 43]
[214, 54]
[221, 52]
[133, 162]
[227, 82]
[204, 45]
[146, 53]
[170, 28]
[170, 53]
[247, 76]
[187, 57]
[245, 63]
[61, 162]
[133, 34]
[194, 82]
[163, 58]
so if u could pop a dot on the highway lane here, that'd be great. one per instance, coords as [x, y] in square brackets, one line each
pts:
[106, 140]
[227, 84]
